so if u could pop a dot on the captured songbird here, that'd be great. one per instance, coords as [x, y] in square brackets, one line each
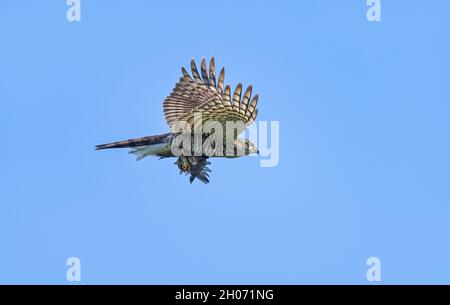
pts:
[199, 112]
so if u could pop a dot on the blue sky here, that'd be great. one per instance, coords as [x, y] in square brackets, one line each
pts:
[364, 143]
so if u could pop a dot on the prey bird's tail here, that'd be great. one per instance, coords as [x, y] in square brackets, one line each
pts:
[137, 142]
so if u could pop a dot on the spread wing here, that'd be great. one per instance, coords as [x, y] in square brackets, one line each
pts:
[203, 94]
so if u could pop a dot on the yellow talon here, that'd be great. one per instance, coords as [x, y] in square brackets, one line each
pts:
[185, 166]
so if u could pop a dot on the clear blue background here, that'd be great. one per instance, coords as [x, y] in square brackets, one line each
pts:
[364, 166]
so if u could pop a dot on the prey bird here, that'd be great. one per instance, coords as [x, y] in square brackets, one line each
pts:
[200, 100]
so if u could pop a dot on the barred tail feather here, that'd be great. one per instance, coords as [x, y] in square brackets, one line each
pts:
[142, 147]
[137, 142]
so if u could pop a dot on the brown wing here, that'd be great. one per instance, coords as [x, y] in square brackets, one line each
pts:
[202, 94]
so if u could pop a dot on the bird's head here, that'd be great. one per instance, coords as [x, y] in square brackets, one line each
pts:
[246, 146]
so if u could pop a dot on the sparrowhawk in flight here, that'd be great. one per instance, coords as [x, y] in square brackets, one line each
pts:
[205, 119]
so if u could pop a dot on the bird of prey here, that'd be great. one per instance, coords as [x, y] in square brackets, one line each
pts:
[199, 101]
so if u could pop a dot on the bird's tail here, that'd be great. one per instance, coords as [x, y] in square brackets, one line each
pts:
[136, 142]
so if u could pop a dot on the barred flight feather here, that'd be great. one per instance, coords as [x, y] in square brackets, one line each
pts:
[201, 93]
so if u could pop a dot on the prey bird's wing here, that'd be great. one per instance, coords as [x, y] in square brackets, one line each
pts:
[203, 94]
